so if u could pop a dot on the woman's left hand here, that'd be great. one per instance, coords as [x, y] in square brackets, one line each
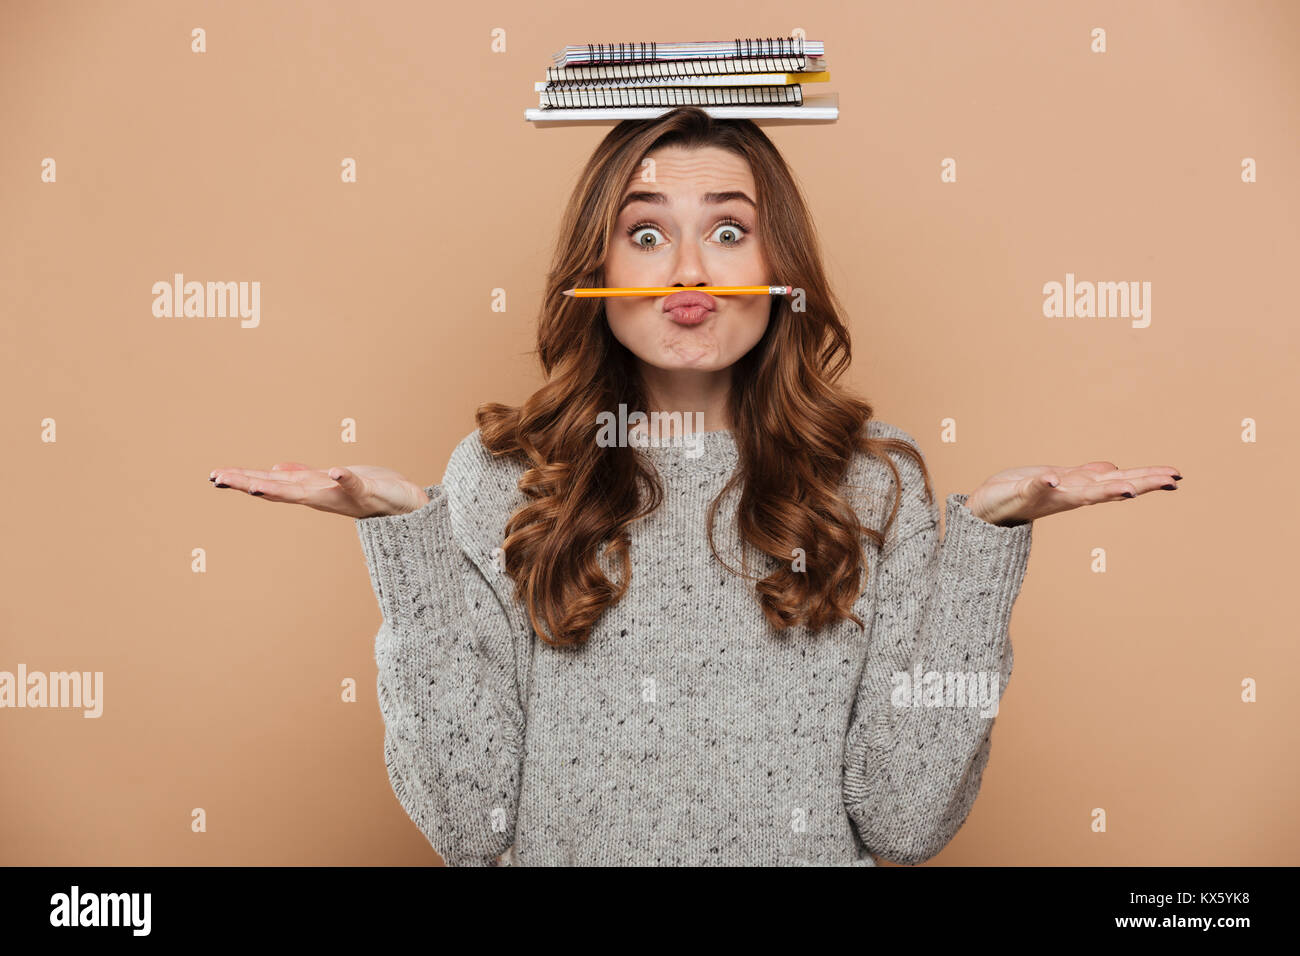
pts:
[1022, 494]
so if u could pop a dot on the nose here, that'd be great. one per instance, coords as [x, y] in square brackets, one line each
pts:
[688, 269]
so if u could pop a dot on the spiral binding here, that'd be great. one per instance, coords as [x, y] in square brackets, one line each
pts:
[680, 96]
[601, 53]
[784, 63]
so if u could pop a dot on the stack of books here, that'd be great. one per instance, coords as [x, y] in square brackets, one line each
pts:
[750, 78]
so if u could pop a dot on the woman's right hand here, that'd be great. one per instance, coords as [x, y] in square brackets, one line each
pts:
[358, 491]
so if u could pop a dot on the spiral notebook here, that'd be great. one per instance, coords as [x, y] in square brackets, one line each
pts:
[577, 54]
[742, 78]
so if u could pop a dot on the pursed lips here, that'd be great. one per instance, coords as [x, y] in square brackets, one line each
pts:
[689, 308]
[687, 299]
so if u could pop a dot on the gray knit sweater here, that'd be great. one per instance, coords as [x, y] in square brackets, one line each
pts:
[687, 731]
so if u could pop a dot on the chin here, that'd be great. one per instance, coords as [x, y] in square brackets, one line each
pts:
[680, 363]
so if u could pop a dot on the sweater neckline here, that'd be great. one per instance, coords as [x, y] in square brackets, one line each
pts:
[703, 453]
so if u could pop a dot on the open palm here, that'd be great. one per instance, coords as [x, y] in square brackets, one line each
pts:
[1023, 494]
[360, 491]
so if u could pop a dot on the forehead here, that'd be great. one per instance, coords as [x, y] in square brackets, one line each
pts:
[685, 172]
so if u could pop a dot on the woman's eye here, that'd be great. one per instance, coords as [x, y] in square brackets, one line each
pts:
[643, 241]
[731, 232]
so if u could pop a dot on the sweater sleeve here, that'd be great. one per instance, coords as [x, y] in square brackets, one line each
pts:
[912, 771]
[447, 687]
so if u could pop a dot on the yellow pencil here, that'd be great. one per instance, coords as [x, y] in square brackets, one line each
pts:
[669, 290]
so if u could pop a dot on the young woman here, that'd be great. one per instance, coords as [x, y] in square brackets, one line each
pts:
[598, 648]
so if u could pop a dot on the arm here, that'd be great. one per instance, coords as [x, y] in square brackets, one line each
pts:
[453, 727]
[911, 773]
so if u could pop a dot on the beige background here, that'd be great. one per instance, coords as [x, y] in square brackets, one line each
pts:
[222, 688]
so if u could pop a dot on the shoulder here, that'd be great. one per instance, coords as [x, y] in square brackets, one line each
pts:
[482, 493]
[874, 486]
[471, 465]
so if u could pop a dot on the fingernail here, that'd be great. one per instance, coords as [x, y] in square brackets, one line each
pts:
[1178, 477]
[1129, 494]
[220, 485]
[1169, 487]
[213, 478]
[256, 494]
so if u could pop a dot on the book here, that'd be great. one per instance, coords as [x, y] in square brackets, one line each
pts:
[742, 78]
[580, 53]
[635, 71]
[823, 108]
[722, 79]
[619, 97]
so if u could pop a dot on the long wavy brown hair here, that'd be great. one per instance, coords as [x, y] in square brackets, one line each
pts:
[795, 429]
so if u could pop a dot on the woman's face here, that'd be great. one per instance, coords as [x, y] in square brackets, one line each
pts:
[694, 223]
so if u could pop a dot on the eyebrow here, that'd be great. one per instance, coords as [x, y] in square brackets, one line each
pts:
[662, 200]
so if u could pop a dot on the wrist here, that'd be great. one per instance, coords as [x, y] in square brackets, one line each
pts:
[1000, 521]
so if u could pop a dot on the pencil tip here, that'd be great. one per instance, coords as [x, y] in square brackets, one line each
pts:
[567, 292]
